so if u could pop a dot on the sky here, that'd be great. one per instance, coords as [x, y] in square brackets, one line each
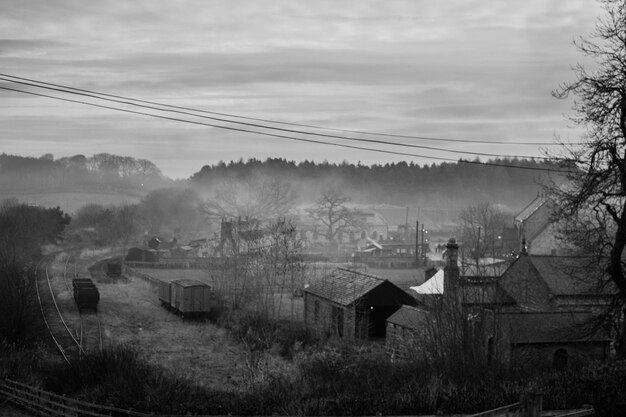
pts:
[454, 69]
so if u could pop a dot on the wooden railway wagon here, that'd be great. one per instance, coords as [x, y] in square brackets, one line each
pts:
[86, 294]
[186, 296]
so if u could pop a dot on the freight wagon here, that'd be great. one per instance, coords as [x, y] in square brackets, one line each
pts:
[186, 296]
[86, 294]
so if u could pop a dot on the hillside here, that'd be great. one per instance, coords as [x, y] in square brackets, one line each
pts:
[446, 185]
[71, 182]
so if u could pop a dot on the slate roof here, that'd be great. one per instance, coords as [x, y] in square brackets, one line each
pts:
[530, 209]
[552, 327]
[564, 275]
[409, 317]
[344, 286]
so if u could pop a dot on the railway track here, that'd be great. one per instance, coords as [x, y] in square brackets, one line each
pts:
[89, 332]
[62, 337]
[73, 331]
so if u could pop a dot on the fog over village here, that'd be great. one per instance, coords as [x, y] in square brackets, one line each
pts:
[312, 208]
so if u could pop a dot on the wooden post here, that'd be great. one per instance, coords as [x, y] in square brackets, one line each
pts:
[532, 404]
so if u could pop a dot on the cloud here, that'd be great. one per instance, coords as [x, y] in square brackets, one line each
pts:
[448, 69]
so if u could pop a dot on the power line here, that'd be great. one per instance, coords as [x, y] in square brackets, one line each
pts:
[277, 135]
[275, 121]
[96, 95]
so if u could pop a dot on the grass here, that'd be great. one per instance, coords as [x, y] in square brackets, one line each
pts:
[70, 202]
[246, 364]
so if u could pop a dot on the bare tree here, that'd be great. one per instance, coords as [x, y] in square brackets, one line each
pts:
[591, 207]
[331, 211]
[264, 199]
[479, 228]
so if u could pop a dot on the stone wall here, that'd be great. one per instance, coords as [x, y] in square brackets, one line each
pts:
[328, 319]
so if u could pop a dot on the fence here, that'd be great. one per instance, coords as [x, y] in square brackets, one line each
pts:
[46, 403]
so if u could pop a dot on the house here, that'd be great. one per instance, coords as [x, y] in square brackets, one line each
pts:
[351, 304]
[386, 255]
[547, 337]
[202, 248]
[535, 226]
[542, 307]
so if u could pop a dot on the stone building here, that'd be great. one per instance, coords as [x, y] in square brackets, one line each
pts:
[351, 304]
[405, 331]
[543, 308]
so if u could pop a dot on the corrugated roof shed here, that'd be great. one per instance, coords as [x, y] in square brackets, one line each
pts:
[344, 286]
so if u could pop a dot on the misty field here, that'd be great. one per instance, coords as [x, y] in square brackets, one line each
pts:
[131, 314]
[70, 202]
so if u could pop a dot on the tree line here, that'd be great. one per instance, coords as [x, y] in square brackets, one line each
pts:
[400, 183]
[99, 172]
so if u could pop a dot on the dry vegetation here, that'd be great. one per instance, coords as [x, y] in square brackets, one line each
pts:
[131, 314]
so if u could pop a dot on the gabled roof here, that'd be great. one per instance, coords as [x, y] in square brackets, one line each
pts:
[531, 208]
[434, 285]
[409, 317]
[552, 327]
[566, 275]
[344, 286]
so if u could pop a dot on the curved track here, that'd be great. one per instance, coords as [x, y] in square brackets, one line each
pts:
[90, 330]
[62, 336]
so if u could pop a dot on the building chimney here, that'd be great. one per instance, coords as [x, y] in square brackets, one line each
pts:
[524, 249]
[451, 270]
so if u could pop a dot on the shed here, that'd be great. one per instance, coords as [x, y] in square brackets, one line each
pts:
[189, 296]
[352, 304]
[405, 329]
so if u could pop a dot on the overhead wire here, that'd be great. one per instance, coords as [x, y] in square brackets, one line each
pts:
[130, 101]
[285, 136]
[428, 138]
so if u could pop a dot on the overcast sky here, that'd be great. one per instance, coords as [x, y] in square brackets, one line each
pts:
[464, 69]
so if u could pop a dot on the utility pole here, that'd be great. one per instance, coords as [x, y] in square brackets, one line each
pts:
[478, 247]
[417, 228]
[423, 249]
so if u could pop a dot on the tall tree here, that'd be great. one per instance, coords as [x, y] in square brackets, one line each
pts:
[263, 199]
[479, 229]
[592, 207]
[331, 211]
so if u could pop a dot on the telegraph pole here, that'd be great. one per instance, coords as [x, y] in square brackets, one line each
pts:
[423, 249]
[417, 228]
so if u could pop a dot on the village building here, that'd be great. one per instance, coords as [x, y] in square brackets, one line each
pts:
[542, 308]
[537, 229]
[405, 332]
[352, 305]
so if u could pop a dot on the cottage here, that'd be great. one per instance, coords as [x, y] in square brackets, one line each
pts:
[535, 226]
[351, 304]
[542, 307]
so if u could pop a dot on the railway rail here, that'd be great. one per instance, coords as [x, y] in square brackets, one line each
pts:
[87, 334]
[62, 337]
[90, 329]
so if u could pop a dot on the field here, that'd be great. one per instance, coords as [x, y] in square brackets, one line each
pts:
[70, 202]
[130, 313]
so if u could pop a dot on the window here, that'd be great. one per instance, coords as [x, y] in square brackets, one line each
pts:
[338, 320]
[490, 350]
[316, 311]
[560, 359]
